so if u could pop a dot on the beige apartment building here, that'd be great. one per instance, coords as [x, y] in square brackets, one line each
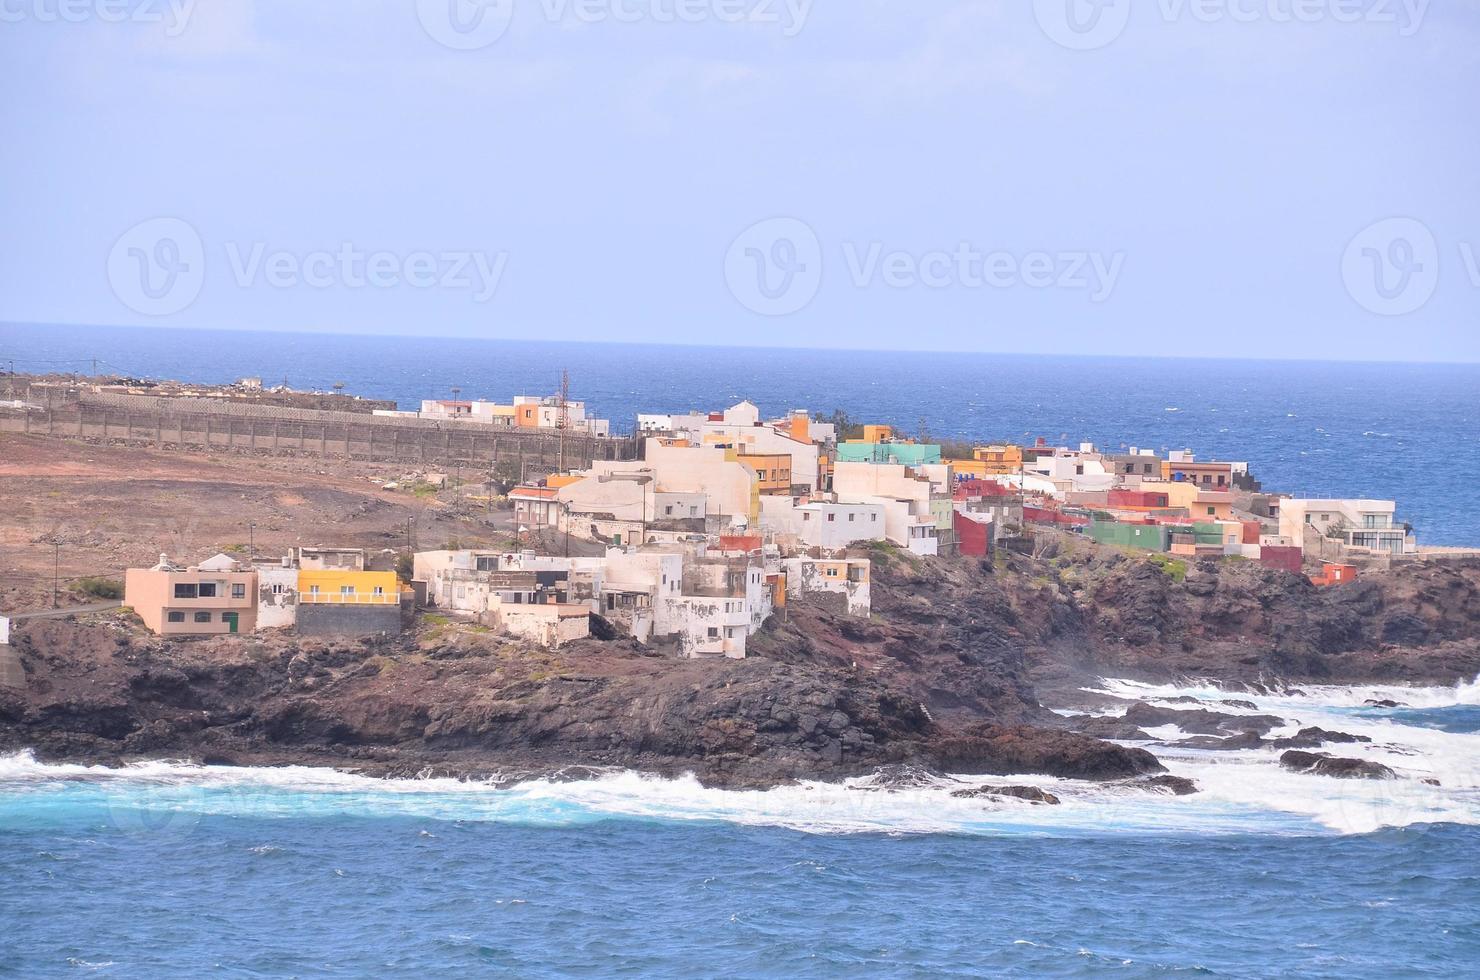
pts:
[215, 596]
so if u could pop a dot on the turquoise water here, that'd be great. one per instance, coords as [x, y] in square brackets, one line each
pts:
[166, 869]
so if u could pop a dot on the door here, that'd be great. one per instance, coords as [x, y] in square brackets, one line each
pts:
[231, 621]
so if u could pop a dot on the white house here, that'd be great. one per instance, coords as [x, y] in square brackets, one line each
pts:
[1368, 526]
[845, 578]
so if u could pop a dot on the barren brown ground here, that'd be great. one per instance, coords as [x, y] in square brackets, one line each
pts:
[113, 507]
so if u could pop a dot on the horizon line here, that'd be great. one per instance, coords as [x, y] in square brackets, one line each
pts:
[307, 332]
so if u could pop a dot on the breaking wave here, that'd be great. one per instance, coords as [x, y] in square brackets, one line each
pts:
[1423, 734]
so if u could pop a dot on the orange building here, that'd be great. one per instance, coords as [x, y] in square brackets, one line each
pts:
[1000, 460]
[213, 597]
[772, 471]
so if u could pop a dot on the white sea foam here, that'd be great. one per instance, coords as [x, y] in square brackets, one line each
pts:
[1417, 753]
[1241, 792]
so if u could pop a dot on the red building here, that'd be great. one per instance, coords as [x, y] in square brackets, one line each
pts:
[1286, 558]
[973, 534]
[1138, 499]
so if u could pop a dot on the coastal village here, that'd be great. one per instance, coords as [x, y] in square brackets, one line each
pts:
[721, 516]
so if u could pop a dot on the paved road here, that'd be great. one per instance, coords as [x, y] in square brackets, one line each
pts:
[67, 611]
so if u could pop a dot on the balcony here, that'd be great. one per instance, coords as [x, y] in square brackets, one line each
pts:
[350, 598]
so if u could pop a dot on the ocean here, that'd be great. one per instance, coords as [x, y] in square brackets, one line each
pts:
[174, 870]
[1404, 432]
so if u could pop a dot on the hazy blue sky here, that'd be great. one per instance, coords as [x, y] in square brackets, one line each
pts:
[1187, 177]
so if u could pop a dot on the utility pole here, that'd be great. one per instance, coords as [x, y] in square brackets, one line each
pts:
[252, 542]
[56, 572]
[563, 421]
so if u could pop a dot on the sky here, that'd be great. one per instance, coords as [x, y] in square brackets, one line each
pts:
[1250, 178]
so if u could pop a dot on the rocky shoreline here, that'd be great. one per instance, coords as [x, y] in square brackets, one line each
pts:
[955, 673]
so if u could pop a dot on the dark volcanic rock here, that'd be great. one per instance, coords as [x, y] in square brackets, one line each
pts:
[901, 776]
[1384, 703]
[1310, 738]
[1166, 783]
[1244, 740]
[1322, 764]
[1101, 726]
[994, 750]
[1199, 721]
[1032, 794]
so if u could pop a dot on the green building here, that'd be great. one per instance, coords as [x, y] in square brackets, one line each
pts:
[1145, 537]
[908, 453]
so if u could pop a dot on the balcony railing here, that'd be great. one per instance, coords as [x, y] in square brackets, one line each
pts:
[350, 598]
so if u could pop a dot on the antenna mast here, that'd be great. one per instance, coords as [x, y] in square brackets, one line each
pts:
[563, 421]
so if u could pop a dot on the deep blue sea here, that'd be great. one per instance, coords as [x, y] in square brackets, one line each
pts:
[1409, 432]
[176, 870]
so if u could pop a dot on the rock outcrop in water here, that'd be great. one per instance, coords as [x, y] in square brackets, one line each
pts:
[1323, 764]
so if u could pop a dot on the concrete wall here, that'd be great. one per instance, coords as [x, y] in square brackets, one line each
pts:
[199, 423]
[277, 596]
[340, 619]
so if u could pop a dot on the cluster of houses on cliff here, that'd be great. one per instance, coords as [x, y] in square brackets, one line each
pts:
[695, 544]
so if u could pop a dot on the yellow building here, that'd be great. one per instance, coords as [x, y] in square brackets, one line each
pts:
[874, 434]
[975, 469]
[1000, 460]
[348, 587]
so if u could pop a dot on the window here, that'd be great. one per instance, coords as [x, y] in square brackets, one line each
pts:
[277, 588]
[713, 632]
[832, 572]
[185, 590]
[874, 518]
[1212, 510]
[380, 590]
[202, 617]
[313, 590]
[832, 517]
[176, 617]
[346, 590]
[851, 517]
[208, 590]
[238, 590]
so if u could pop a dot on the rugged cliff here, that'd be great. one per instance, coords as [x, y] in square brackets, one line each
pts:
[947, 674]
